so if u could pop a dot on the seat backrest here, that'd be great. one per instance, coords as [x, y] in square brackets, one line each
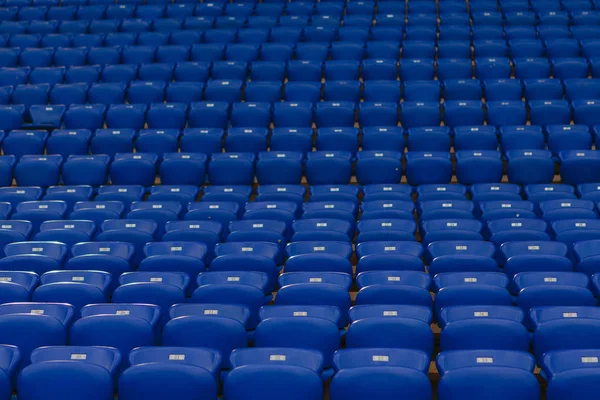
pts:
[278, 356]
[178, 279]
[451, 360]
[235, 312]
[358, 358]
[148, 312]
[106, 357]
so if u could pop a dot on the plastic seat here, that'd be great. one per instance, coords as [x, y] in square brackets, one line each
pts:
[247, 288]
[226, 323]
[564, 138]
[181, 193]
[492, 68]
[543, 289]
[466, 379]
[158, 211]
[197, 374]
[69, 233]
[539, 192]
[86, 170]
[132, 325]
[454, 68]
[521, 137]
[444, 209]
[450, 229]
[108, 93]
[419, 167]
[584, 112]
[161, 288]
[41, 171]
[97, 211]
[469, 163]
[401, 377]
[551, 112]
[173, 163]
[82, 74]
[416, 69]
[387, 209]
[77, 288]
[456, 256]
[453, 360]
[40, 211]
[379, 69]
[136, 232]
[460, 113]
[157, 140]
[28, 331]
[387, 255]
[532, 256]
[553, 210]
[570, 68]
[531, 68]
[561, 323]
[530, 166]
[292, 193]
[407, 333]
[279, 167]
[221, 167]
[337, 163]
[219, 211]
[379, 167]
[207, 115]
[12, 196]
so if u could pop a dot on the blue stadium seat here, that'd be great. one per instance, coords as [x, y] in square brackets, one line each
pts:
[532, 256]
[450, 229]
[133, 169]
[219, 211]
[46, 326]
[378, 167]
[77, 288]
[126, 116]
[161, 288]
[382, 138]
[379, 69]
[404, 377]
[478, 166]
[466, 374]
[540, 192]
[136, 232]
[336, 163]
[131, 326]
[386, 229]
[158, 211]
[570, 68]
[279, 167]
[196, 375]
[553, 210]
[460, 256]
[157, 140]
[429, 192]
[531, 68]
[416, 69]
[226, 322]
[18, 286]
[429, 167]
[97, 211]
[557, 327]
[389, 255]
[530, 166]
[584, 112]
[67, 232]
[41, 171]
[16, 195]
[40, 211]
